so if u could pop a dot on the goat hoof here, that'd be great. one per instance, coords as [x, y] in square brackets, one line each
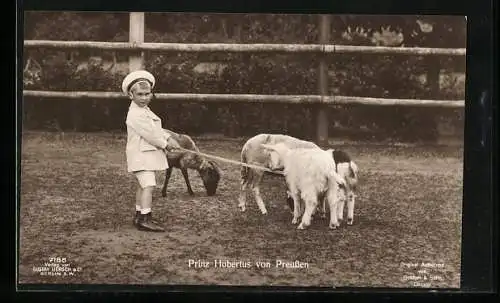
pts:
[295, 221]
[163, 194]
[350, 221]
[242, 208]
[264, 212]
[301, 226]
[332, 226]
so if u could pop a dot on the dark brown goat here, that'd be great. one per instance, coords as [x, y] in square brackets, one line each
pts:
[208, 170]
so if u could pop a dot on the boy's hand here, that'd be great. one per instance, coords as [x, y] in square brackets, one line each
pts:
[172, 144]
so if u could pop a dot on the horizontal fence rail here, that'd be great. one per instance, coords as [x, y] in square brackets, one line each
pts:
[253, 98]
[136, 48]
[245, 48]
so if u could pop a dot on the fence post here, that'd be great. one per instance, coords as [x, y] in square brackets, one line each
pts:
[322, 109]
[136, 35]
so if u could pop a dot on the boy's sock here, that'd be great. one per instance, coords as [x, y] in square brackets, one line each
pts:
[145, 211]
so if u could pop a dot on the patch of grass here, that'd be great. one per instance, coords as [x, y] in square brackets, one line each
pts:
[77, 202]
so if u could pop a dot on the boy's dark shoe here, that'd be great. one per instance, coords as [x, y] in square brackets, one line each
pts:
[138, 216]
[146, 223]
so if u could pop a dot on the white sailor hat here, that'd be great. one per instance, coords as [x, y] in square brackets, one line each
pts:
[136, 76]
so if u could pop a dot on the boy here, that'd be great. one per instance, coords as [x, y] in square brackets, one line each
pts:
[146, 145]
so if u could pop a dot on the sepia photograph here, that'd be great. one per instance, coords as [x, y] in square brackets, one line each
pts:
[231, 149]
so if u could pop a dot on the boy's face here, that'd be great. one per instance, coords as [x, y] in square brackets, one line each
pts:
[141, 94]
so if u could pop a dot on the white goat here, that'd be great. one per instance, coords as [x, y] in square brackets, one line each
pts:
[310, 173]
[253, 153]
[348, 170]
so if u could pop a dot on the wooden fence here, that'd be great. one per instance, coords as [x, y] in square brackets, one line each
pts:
[137, 46]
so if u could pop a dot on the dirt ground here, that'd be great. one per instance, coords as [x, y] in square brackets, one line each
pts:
[77, 204]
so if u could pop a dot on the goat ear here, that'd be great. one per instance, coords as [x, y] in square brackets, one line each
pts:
[214, 165]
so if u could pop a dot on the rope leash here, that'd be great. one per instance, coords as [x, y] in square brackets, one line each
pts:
[230, 161]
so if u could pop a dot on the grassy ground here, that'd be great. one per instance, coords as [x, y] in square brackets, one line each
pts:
[77, 202]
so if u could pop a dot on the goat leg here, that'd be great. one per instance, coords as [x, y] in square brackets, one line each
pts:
[256, 181]
[242, 199]
[343, 194]
[168, 173]
[296, 207]
[333, 201]
[308, 212]
[322, 200]
[186, 179]
[350, 208]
